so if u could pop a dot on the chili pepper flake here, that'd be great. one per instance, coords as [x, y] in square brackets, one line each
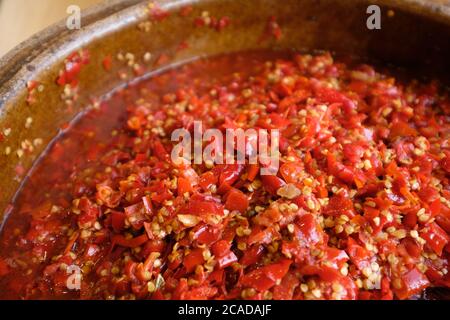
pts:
[186, 11]
[273, 29]
[206, 20]
[107, 63]
[156, 13]
[162, 59]
[72, 67]
[183, 46]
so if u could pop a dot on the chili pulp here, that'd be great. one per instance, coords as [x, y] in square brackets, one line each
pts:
[359, 208]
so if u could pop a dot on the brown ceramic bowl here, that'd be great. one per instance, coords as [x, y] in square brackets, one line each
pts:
[414, 34]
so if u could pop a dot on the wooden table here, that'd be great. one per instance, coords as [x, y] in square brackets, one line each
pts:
[19, 19]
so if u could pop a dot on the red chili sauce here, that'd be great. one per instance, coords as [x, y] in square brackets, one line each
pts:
[359, 209]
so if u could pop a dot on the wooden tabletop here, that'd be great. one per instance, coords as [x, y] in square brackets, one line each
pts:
[19, 19]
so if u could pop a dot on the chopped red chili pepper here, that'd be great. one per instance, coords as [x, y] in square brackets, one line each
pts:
[359, 208]
[107, 63]
[129, 243]
[72, 68]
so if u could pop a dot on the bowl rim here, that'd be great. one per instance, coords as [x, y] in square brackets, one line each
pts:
[25, 61]
[30, 57]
